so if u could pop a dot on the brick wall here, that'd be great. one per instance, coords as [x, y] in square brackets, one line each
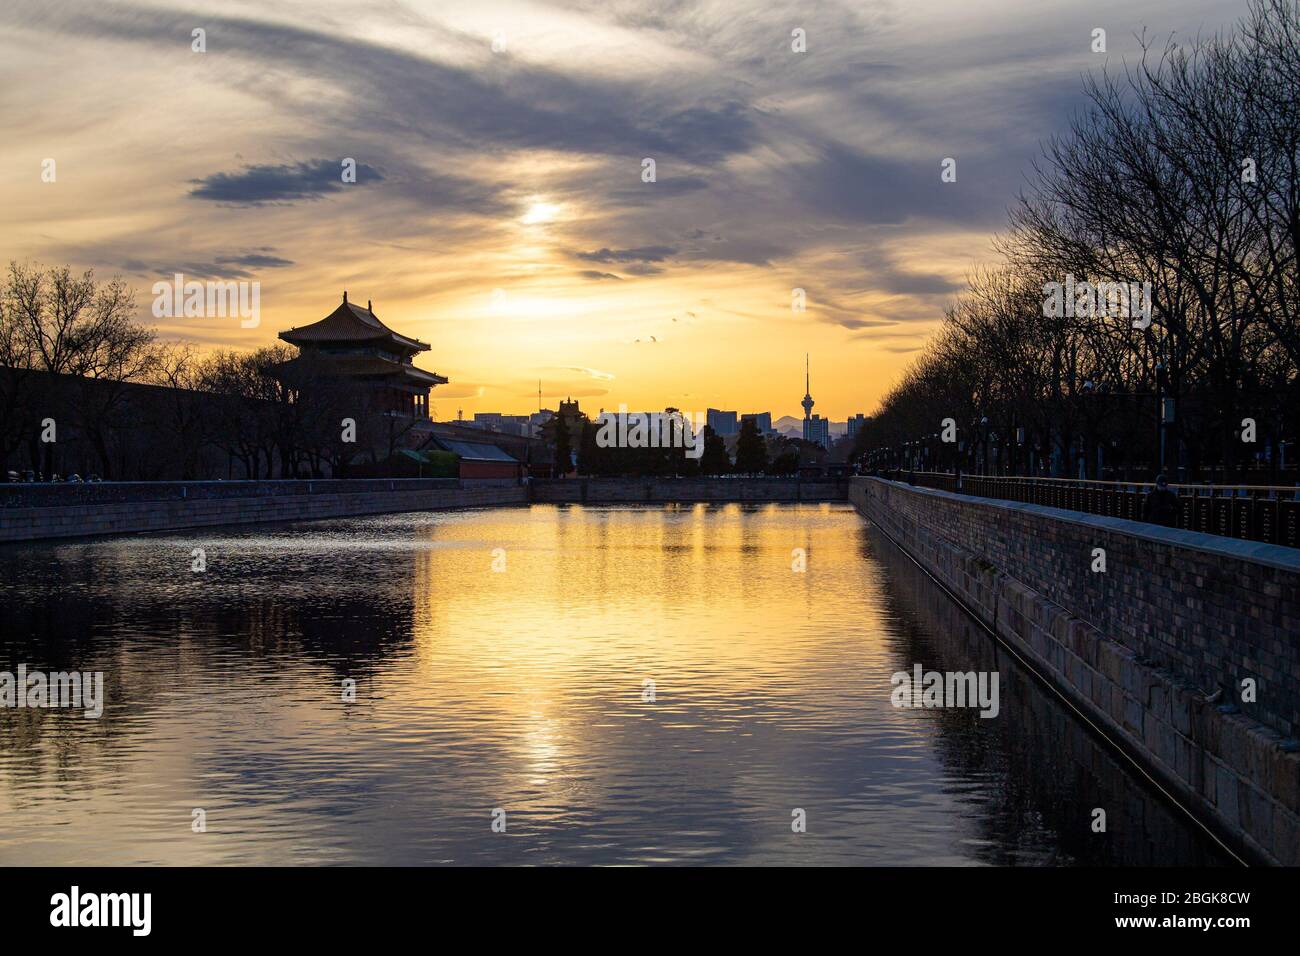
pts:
[1175, 616]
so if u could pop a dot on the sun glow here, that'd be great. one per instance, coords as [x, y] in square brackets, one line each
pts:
[540, 212]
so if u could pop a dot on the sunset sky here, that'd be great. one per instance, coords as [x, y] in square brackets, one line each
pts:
[499, 211]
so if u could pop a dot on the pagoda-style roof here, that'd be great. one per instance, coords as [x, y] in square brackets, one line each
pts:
[369, 366]
[364, 365]
[351, 324]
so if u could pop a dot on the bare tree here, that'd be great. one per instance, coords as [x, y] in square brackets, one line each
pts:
[1181, 173]
[72, 325]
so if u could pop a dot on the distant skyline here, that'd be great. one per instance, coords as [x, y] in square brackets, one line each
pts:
[499, 211]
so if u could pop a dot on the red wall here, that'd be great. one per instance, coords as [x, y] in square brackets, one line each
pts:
[488, 469]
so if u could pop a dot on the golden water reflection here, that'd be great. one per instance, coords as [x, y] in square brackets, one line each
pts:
[525, 689]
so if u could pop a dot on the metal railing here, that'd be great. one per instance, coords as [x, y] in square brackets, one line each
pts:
[1269, 513]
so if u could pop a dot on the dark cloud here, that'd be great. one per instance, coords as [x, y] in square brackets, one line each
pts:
[845, 185]
[593, 274]
[666, 186]
[637, 254]
[256, 260]
[643, 269]
[261, 185]
[244, 266]
[913, 283]
[715, 132]
[882, 273]
[845, 320]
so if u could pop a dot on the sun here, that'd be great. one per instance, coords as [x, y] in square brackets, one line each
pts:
[540, 212]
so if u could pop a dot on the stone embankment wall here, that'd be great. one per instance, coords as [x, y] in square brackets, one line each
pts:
[1154, 649]
[36, 511]
[661, 490]
[70, 511]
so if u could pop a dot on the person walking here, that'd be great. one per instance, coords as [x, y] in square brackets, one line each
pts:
[1161, 505]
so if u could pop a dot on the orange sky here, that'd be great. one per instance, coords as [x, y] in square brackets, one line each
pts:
[499, 211]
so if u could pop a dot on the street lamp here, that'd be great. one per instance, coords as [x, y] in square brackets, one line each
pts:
[1165, 408]
[984, 439]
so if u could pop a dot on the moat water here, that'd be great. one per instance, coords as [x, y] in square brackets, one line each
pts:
[623, 684]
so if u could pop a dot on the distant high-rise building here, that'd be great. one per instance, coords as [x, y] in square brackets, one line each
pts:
[503, 424]
[762, 420]
[722, 423]
[856, 423]
[815, 428]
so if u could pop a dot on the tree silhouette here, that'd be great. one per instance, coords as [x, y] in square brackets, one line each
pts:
[714, 460]
[751, 450]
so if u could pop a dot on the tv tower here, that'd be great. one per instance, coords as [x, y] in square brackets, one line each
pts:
[807, 402]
